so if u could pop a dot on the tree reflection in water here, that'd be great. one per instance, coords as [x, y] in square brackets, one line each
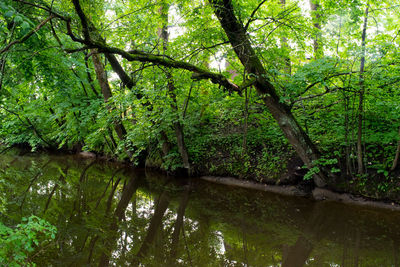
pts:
[108, 214]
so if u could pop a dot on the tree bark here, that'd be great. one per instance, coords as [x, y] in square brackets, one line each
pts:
[126, 80]
[241, 45]
[284, 45]
[360, 158]
[106, 91]
[316, 17]
[396, 158]
[178, 127]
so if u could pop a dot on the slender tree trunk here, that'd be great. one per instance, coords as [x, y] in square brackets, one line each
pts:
[284, 45]
[246, 120]
[178, 127]
[281, 112]
[346, 133]
[396, 158]
[316, 17]
[106, 91]
[2, 69]
[89, 76]
[360, 157]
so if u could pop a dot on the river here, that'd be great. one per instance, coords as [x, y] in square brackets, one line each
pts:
[109, 214]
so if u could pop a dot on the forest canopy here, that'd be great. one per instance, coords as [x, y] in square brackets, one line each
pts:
[217, 87]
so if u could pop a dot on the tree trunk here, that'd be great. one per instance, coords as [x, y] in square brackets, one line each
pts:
[294, 133]
[316, 17]
[106, 91]
[284, 45]
[361, 100]
[396, 158]
[178, 127]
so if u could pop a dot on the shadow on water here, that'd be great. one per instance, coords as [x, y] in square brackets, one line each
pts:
[110, 215]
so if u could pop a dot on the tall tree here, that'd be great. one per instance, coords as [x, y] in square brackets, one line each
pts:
[316, 19]
[241, 45]
[178, 127]
[360, 157]
[107, 94]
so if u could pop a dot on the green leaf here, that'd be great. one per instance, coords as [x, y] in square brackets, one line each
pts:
[8, 14]
[25, 25]
[18, 19]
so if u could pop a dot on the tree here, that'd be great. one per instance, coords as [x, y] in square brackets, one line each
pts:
[268, 42]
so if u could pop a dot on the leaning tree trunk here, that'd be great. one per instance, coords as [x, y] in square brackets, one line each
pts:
[292, 130]
[106, 91]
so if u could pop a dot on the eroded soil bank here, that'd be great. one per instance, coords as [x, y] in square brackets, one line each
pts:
[319, 194]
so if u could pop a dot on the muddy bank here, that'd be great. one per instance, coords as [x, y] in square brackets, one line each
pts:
[288, 190]
[318, 194]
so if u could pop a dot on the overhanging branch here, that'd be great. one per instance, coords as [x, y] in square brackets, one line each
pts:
[199, 73]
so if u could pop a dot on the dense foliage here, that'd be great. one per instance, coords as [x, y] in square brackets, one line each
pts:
[220, 87]
[17, 245]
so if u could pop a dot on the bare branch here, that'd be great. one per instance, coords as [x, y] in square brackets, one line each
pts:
[327, 78]
[252, 14]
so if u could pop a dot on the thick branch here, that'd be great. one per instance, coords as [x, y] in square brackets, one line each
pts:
[126, 80]
[136, 55]
[82, 17]
[200, 73]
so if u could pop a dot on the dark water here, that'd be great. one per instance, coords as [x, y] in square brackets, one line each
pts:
[107, 214]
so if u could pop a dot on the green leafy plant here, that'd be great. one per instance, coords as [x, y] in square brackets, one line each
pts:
[18, 245]
[317, 164]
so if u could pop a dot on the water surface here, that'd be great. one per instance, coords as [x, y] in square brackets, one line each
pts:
[110, 215]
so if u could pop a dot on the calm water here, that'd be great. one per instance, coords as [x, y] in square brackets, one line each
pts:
[107, 214]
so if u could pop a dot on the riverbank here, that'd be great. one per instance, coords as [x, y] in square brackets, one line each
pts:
[297, 190]
[318, 194]
[290, 182]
